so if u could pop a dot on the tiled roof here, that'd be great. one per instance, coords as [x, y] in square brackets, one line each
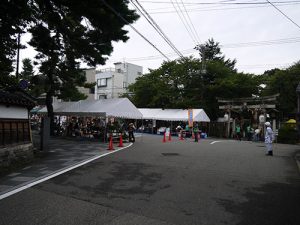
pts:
[19, 98]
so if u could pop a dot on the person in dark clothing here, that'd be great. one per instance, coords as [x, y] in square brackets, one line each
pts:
[131, 129]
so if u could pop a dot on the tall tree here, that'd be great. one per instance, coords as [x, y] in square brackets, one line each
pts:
[285, 83]
[27, 69]
[211, 51]
[64, 33]
[183, 84]
[14, 17]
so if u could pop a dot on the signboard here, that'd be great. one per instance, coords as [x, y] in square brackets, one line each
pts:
[190, 117]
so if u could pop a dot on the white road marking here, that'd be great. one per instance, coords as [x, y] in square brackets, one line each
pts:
[64, 170]
[215, 142]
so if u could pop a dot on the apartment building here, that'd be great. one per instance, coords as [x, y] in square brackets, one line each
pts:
[113, 82]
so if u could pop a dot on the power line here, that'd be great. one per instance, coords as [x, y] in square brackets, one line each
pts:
[219, 8]
[223, 3]
[195, 31]
[121, 17]
[155, 26]
[283, 14]
[186, 28]
[230, 45]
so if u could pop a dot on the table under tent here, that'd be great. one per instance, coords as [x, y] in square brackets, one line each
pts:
[93, 119]
[157, 120]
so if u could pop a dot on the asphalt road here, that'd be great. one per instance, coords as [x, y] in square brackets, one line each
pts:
[179, 182]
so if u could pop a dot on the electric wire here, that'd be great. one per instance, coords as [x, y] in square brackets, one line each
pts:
[191, 22]
[283, 14]
[122, 18]
[185, 26]
[223, 3]
[216, 8]
[230, 45]
[187, 22]
[151, 21]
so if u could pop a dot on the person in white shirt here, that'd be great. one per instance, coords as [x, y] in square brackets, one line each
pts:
[269, 138]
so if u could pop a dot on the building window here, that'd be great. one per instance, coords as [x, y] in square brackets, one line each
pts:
[139, 73]
[119, 71]
[102, 82]
[124, 84]
[102, 97]
[92, 90]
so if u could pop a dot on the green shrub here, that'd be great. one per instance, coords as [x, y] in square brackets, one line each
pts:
[287, 135]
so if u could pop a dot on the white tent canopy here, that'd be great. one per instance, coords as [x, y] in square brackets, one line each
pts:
[120, 108]
[174, 114]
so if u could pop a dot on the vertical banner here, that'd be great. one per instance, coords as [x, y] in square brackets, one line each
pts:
[190, 117]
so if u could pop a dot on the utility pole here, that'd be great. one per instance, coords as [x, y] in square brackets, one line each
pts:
[18, 55]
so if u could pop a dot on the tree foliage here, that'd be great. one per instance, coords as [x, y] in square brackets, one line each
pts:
[64, 33]
[182, 83]
[285, 83]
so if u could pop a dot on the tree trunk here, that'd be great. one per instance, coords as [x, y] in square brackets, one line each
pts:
[50, 111]
[49, 101]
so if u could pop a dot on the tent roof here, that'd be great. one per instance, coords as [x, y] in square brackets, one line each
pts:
[120, 107]
[174, 114]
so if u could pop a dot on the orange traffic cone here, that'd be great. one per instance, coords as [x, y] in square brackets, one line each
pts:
[110, 146]
[121, 141]
[164, 139]
[170, 139]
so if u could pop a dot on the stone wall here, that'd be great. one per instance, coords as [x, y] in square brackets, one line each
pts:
[14, 155]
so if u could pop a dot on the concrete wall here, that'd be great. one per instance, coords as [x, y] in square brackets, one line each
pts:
[15, 154]
[114, 84]
[13, 112]
[130, 71]
[90, 78]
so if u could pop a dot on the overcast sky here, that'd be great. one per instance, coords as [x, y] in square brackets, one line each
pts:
[278, 39]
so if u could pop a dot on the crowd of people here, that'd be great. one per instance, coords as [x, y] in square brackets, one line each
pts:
[249, 133]
[88, 127]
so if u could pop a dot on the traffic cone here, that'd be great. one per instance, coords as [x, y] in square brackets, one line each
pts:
[170, 139]
[110, 146]
[121, 141]
[164, 139]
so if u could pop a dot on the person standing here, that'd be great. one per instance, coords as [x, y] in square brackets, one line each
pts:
[196, 131]
[256, 134]
[187, 131]
[269, 138]
[131, 129]
[238, 132]
[249, 134]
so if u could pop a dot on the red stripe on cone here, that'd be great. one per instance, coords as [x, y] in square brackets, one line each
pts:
[110, 146]
[164, 139]
[121, 141]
